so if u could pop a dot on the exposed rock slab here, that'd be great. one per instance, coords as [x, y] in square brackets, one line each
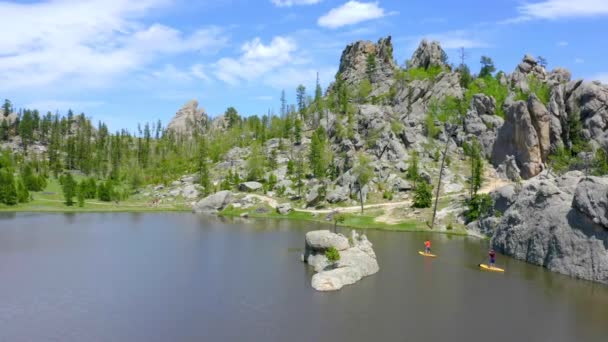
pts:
[357, 260]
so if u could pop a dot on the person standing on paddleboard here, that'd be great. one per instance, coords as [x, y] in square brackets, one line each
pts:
[427, 246]
[492, 255]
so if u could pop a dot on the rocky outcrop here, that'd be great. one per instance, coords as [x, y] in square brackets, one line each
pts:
[357, 259]
[354, 64]
[213, 203]
[284, 208]
[428, 54]
[188, 119]
[250, 186]
[528, 68]
[518, 137]
[558, 223]
[482, 123]
[591, 199]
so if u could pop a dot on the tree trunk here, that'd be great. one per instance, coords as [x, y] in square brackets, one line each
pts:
[445, 153]
[361, 197]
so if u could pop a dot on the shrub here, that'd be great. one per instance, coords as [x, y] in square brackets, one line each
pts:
[479, 206]
[423, 196]
[422, 74]
[332, 255]
[489, 86]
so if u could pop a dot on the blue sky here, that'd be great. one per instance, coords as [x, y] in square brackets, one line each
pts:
[125, 62]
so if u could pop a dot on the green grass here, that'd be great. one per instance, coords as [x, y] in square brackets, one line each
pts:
[352, 220]
[51, 200]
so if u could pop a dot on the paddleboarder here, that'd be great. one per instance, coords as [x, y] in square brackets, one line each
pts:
[492, 256]
[427, 246]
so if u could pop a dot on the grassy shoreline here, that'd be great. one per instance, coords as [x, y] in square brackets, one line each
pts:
[356, 221]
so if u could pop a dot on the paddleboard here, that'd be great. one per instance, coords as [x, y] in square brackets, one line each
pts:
[490, 268]
[427, 254]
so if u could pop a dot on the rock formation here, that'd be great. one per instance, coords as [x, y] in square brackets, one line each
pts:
[357, 259]
[188, 119]
[556, 222]
[354, 64]
[428, 54]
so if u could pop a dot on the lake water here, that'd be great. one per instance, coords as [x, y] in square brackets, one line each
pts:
[182, 277]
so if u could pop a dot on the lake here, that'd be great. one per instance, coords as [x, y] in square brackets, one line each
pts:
[182, 277]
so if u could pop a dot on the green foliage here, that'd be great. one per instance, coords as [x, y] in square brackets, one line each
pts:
[432, 131]
[489, 86]
[203, 167]
[319, 155]
[105, 191]
[338, 218]
[365, 88]
[255, 163]
[465, 76]
[474, 152]
[412, 169]
[562, 160]
[68, 186]
[600, 162]
[332, 255]
[487, 67]
[397, 127]
[420, 74]
[232, 116]
[479, 206]
[23, 196]
[541, 89]
[8, 191]
[32, 181]
[81, 193]
[387, 195]
[363, 171]
[370, 66]
[423, 195]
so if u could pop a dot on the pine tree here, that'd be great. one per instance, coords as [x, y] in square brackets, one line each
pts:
[363, 171]
[301, 99]
[370, 67]
[283, 104]
[203, 167]
[81, 193]
[317, 154]
[69, 189]
[423, 195]
[23, 196]
[487, 67]
[7, 107]
[255, 163]
[26, 130]
[8, 191]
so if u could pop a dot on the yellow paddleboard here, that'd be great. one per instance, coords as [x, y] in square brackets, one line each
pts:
[427, 254]
[490, 268]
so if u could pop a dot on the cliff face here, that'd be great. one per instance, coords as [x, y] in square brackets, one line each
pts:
[557, 222]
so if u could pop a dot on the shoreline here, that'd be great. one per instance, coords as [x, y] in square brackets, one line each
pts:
[353, 221]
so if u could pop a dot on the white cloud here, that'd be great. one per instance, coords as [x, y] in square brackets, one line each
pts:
[256, 60]
[86, 43]
[289, 3]
[555, 9]
[351, 13]
[562, 43]
[579, 61]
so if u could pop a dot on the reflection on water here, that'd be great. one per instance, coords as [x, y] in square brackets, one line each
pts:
[182, 277]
